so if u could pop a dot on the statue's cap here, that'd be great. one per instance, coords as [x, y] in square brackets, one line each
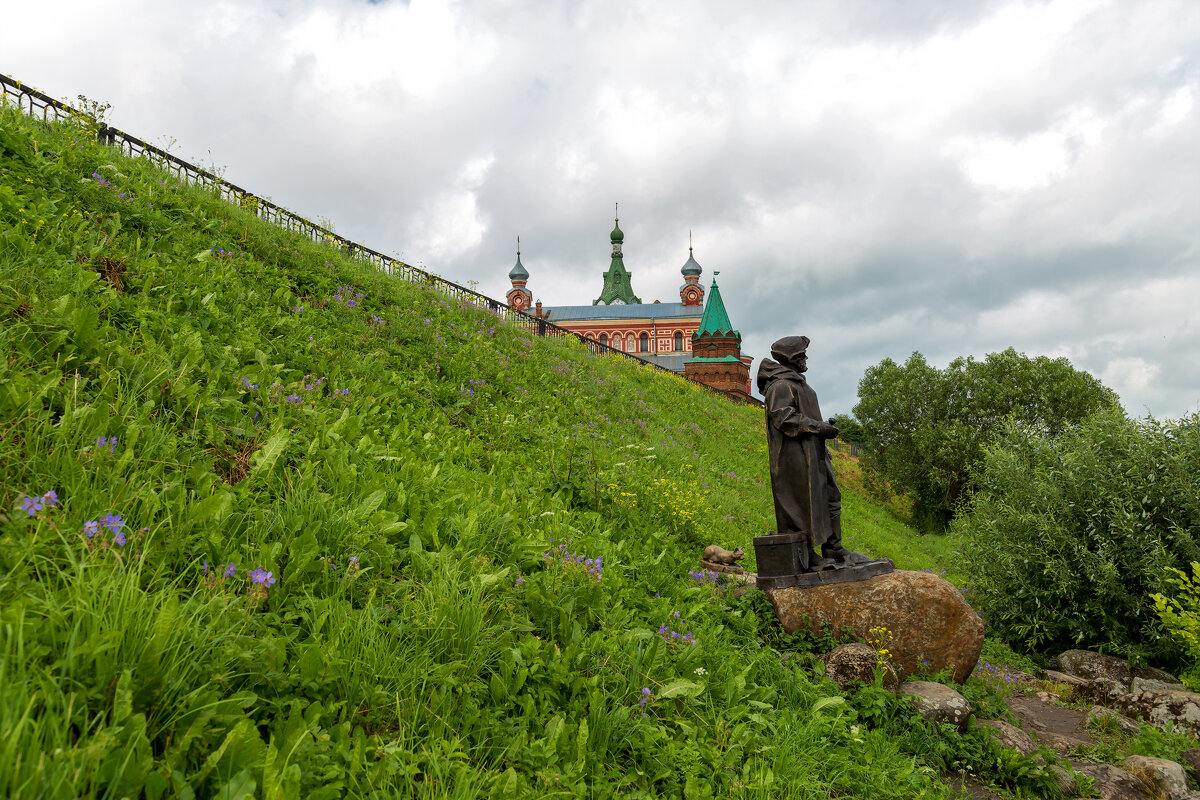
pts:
[789, 347]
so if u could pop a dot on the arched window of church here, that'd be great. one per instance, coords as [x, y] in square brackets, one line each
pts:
[678, 340]
[644, 343]
[604, 338]
[629, 343]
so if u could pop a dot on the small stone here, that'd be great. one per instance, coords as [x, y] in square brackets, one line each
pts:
[1167, 777]
[1011, 736]
[1016, 676]
[791, 657]
[937, 702]
[1064, 779]
[854, 663]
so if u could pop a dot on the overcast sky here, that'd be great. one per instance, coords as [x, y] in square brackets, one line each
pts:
[882, 176]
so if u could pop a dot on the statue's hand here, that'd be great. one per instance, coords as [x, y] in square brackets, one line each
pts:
[830, 431]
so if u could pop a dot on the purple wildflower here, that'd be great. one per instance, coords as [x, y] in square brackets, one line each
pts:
[32, 505]
[91, 528]
[229, 570]
[261, 576]
[50, 498]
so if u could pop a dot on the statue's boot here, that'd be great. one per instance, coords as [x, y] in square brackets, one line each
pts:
[817, 563]
[833, 548]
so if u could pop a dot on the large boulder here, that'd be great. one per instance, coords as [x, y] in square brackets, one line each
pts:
[932, 626]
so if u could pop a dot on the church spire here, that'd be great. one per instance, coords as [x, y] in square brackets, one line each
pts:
[715, 321]
[691, 292]
[518, 272]
[518, 296]
[618, 286]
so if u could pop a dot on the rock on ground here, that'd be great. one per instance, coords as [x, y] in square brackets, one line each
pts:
[1089, 666]
[1061, 729]
[1114, 783]
[1191, 760]
[1182, 708]
[932, 626]
[853, 663]
[1054, 676]
[1094, 666]
[937, 702]
[1010, 736]
[1121, 721]
[1167, 777]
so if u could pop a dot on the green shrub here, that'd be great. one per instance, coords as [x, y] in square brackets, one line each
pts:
[1068, 539]
[1181, 616]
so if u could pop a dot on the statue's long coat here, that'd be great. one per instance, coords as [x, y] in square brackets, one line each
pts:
[802, 481]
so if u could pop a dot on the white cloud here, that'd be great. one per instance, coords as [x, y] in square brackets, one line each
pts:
[452, 224]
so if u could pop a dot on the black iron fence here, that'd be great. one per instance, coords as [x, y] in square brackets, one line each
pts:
[854, 447]
[39, 104]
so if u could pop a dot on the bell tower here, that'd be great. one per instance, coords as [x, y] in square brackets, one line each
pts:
[518, 296]
[691, 292]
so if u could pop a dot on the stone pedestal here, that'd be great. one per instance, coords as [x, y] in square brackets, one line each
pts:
[869, 568]
[932, 626]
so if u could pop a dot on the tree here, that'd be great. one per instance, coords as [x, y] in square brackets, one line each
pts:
[928, 427]
[849, 429]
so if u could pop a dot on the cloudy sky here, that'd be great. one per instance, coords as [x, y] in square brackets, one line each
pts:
[882, 176]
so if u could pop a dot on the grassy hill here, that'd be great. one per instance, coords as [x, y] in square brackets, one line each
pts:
[275, 524]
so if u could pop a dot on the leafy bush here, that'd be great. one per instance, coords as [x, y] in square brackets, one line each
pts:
[928, 428]
[1181, 617]
[1069, 538]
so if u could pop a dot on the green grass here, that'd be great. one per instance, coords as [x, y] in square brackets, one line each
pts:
[431, 490]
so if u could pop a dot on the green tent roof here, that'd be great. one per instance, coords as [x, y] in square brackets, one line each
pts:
[715, 321]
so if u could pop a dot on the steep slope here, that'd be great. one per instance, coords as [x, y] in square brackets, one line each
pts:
[277, 525]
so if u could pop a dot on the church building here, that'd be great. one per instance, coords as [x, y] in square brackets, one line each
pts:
[691, 336]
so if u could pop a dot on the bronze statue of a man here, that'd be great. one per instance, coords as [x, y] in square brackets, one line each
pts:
[807, 499]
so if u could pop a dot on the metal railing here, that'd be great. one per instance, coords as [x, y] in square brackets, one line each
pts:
[854, 447]
[39, 104]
